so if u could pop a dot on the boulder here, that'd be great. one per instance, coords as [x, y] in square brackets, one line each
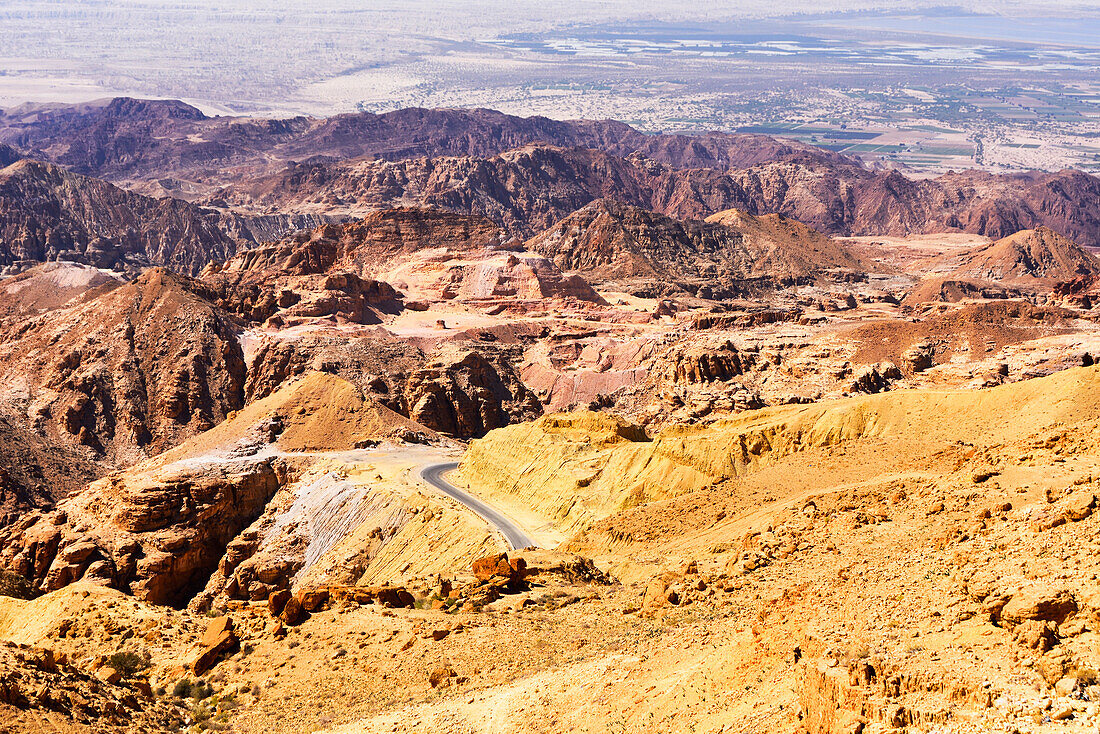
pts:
[313, 599]
[1036, 635]
[292, 612]
[277, 600]
[487, 567]
[919, 357]
[655, 596]
[1038, 603]
[217, 639]
[1079, 506]
[107, 674]
[441, 676]
[317, 599]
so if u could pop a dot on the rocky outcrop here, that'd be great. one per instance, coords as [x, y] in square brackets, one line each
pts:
[156, 534]
[731, 254]
[511, 277]
[875, 378]
[919, 357]
[488, 567]
[335, 272]
[45, 689]
[277, 300]
[695, 365]
[54, 214]
[461, 391]
[845, 699]
[467, 395]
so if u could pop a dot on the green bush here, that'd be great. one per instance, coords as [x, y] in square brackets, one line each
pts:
[128, 662]
[197, 690]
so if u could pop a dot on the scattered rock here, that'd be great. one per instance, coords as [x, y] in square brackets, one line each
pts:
[442, 676]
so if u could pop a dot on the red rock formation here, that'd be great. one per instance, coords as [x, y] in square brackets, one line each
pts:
[54, 214]
[499, 566]
[134, 139]
[729, 254]
[528, 189]
[683, 176]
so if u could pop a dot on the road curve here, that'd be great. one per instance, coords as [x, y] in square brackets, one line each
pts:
[433, 475]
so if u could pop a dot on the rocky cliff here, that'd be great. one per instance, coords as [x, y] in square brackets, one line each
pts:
[50, 213]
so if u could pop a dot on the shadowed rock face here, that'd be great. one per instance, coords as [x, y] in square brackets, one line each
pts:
[464, 393]
[38, 472]
[53, 214]
[731, 253]
[157, 535]
[8, 155]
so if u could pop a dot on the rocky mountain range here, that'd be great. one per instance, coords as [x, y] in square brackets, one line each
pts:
[51, 214]
[169, 147]
[305, 422]
[130, 139]
[529, 188]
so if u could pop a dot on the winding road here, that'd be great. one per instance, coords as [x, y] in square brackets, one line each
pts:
[433, 475]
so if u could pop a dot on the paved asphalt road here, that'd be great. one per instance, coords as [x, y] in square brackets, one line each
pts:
[433, 475]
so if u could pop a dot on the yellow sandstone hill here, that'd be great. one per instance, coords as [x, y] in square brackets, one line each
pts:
[574, 468]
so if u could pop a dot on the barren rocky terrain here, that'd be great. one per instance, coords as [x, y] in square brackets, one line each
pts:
[799, 446]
